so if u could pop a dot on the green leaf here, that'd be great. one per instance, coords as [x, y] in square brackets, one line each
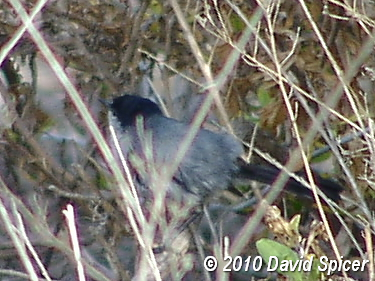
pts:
[264, 96]
[237, 23]
[273, 252]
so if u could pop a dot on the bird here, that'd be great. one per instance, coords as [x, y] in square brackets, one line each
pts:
[212, 163]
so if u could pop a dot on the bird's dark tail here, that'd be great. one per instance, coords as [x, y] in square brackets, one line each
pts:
[269, 174]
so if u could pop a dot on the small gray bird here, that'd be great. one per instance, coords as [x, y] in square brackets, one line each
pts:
[211, 163]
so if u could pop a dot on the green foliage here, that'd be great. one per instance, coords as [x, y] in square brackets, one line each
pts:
[264, 96]
[273, 252]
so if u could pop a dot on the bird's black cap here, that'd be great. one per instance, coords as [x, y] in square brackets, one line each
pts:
[127, 107]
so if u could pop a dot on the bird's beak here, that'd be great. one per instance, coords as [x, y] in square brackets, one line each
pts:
[105, 102]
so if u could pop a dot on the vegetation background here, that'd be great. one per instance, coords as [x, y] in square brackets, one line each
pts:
[302, 71]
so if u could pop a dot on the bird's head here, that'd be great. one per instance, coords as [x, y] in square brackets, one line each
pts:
[127, 108]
